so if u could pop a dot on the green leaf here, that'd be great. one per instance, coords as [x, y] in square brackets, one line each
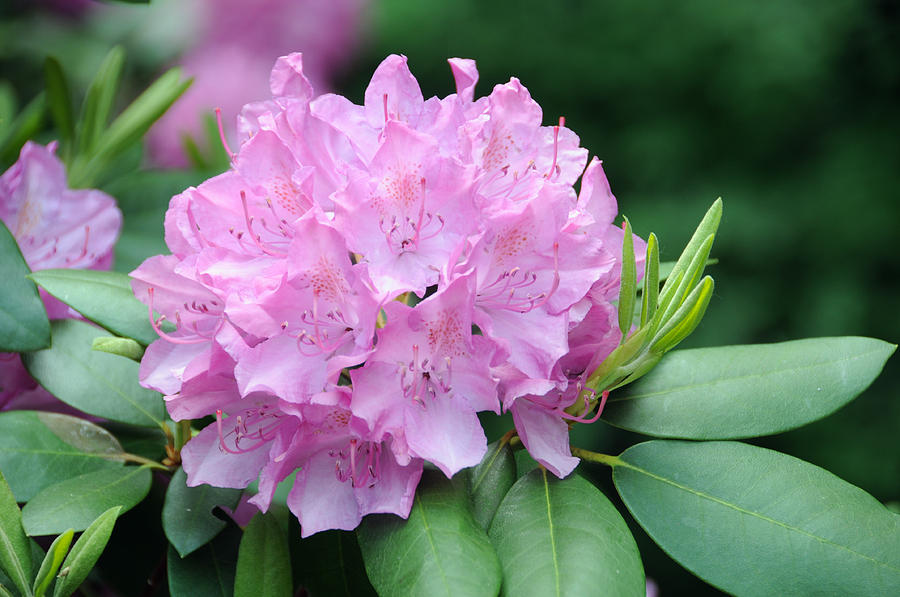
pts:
[75, 502]
[331, 565]
[103, 297]
[490, 480]
[52, 561]
[97, 383]
[187, 516]
[123, 347]
[209, 571]
[130, 126]
[708, 226]
[23, 321]
[686, 319]
[745, 391]
[564, 537]
[59, 99]
[686, 285]
[439, 550]
[650, 294]
[263, 560]
[23, 128]
[753, 521]
[86, 552]
[99, 99]
[627, 282]
[15, 550]
[38, 449]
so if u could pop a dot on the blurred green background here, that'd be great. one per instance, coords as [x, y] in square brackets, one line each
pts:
[788, 109]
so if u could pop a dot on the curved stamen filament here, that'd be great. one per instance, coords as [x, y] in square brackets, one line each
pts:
[553, 167]
[222, 135]
[255, 237]
[155, 323]
[264, 433]
[502, 292]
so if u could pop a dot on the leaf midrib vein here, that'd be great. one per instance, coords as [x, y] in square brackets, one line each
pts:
[739, 378]
[756, 515]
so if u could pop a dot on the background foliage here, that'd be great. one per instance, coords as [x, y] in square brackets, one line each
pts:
[785, 108]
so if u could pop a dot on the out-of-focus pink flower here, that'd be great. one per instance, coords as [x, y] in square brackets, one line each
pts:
[236, 43]
[55, 227]
[293, 279]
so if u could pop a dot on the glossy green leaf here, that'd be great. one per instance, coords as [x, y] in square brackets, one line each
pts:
[15, 550]
[76, 502]
[745, 391]
[59, 99]
[209, 571]
[123, 347]
[564, 537]
[23, 321]
[103, 297]
[490, 480]
[38, 449]
[97, 383]
[52, 561]
[439, 550]
[752, 521]
[329, 564]
[86, 552]
[263, 560]
[187, 515]
[98, 100]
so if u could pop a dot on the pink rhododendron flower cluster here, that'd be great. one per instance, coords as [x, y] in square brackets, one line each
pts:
[367, 278]
[55, 227]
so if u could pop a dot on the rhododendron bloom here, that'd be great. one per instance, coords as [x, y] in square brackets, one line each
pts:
[367, 278]
[55, 227]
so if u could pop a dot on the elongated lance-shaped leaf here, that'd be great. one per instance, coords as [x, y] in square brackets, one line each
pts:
[60, 100]
[103, 297]
[564, 537]
[439, 550]
[263, 559]
[752, 521]
[627, 283]
[98, 101]
[691, 277]
[86, 552]
[731, 392]
[708, 225]
[686, 319]
[490, 480]
[52, 561]
[23, 128]
[650, 294]
[130, 125]
[15, 550]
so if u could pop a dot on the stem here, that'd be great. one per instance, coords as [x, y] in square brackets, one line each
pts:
[140, 460]
[596, 457]
[182, 434]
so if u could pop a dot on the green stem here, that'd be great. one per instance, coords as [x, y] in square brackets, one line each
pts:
[182, 434]
[596, 457]
[140, 460]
